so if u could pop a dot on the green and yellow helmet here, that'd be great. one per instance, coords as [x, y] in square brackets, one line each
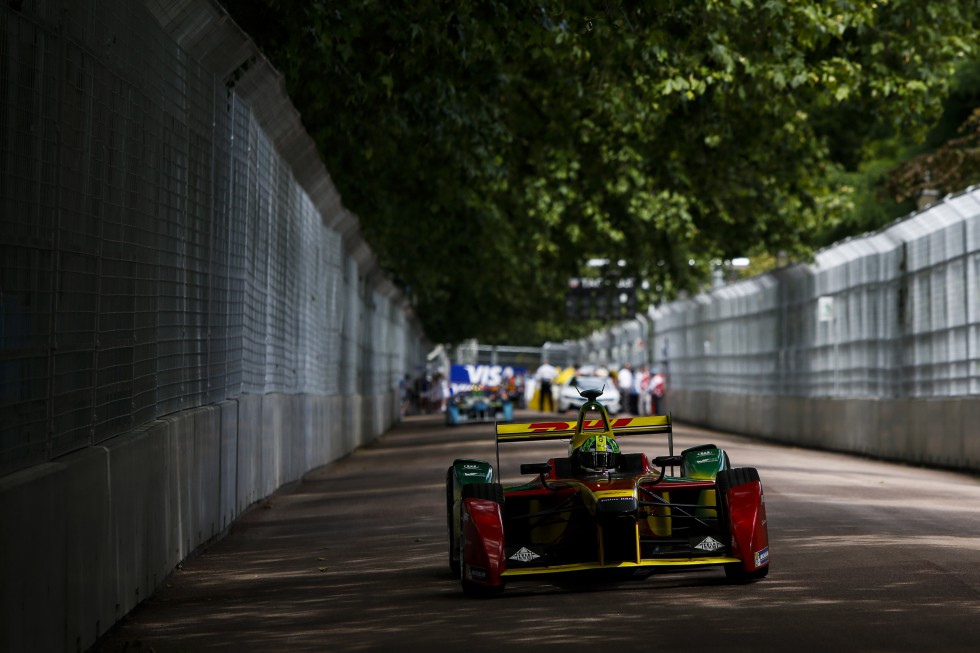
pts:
[598, 453]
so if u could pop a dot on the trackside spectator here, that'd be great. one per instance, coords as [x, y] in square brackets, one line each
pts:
[545, 376]
[642, 384]
[626, 390]
[658, 388]
[405, 393]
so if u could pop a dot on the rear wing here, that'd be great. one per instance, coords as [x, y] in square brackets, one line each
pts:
[620, 426]
[564, 430]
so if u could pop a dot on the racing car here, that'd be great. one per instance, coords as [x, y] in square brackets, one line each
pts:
[601, 511]
[569, 397]
[478, 405]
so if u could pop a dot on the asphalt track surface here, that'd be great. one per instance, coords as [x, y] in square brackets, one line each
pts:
[866, 556]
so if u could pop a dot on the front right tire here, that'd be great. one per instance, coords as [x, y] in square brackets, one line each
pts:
[726, 479]
[736, 573]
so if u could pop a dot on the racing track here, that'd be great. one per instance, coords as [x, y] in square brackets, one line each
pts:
[867, 556]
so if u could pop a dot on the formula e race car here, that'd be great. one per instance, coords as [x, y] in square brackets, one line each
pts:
[599, 511]
[478, 405]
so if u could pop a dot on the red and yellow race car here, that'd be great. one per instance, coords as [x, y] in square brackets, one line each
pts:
[599, 510]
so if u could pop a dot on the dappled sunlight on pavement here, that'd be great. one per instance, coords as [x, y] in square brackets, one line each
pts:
[354, 558]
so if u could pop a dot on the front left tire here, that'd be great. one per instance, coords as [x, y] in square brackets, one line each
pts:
[454, 566]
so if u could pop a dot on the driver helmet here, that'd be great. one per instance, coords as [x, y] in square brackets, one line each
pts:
[599, 453]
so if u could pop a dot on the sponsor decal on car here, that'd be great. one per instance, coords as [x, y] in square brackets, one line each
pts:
[476, 573]
[525, 555]
[710, 544]
[537, 427]
[587, 424]
[762, 557]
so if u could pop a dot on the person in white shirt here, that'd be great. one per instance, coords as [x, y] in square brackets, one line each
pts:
[624, 379]
[544, 377]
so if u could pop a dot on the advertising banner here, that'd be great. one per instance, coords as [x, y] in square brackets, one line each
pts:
[464, 377]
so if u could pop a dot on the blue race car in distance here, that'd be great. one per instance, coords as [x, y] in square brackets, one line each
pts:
[479, 404]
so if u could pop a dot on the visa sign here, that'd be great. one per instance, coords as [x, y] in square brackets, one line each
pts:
[486, 375]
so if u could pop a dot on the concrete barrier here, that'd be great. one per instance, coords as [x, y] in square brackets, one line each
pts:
[228, 464]
[32, 559]
[89, 536]
[270, 449]
[971, 433]
[249, 453]
[893, 420]
[89, 559]
[352, 419]
[297, 438]
[182, 482]
[332, 428]
[143, 541]
[936, 432]
[59, 554]
[943, 430]
[205, 485]
[790, 416]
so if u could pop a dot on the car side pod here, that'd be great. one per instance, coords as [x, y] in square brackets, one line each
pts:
[483, 546]
[745, 507]
[704, 461]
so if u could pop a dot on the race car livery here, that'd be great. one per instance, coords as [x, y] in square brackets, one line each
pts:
[599, 510]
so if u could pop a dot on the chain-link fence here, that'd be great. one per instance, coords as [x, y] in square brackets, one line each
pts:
[158, 251]
[892, 314]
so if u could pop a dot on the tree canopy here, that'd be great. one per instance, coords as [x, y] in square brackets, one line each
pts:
[490, 149]
[949, 160]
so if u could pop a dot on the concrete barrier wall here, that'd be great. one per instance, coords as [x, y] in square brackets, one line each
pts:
[100, 529]
[33, 565]
[935, 432]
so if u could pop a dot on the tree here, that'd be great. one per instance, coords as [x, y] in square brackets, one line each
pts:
[953, 166]
[949, 160]
[490, 148]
